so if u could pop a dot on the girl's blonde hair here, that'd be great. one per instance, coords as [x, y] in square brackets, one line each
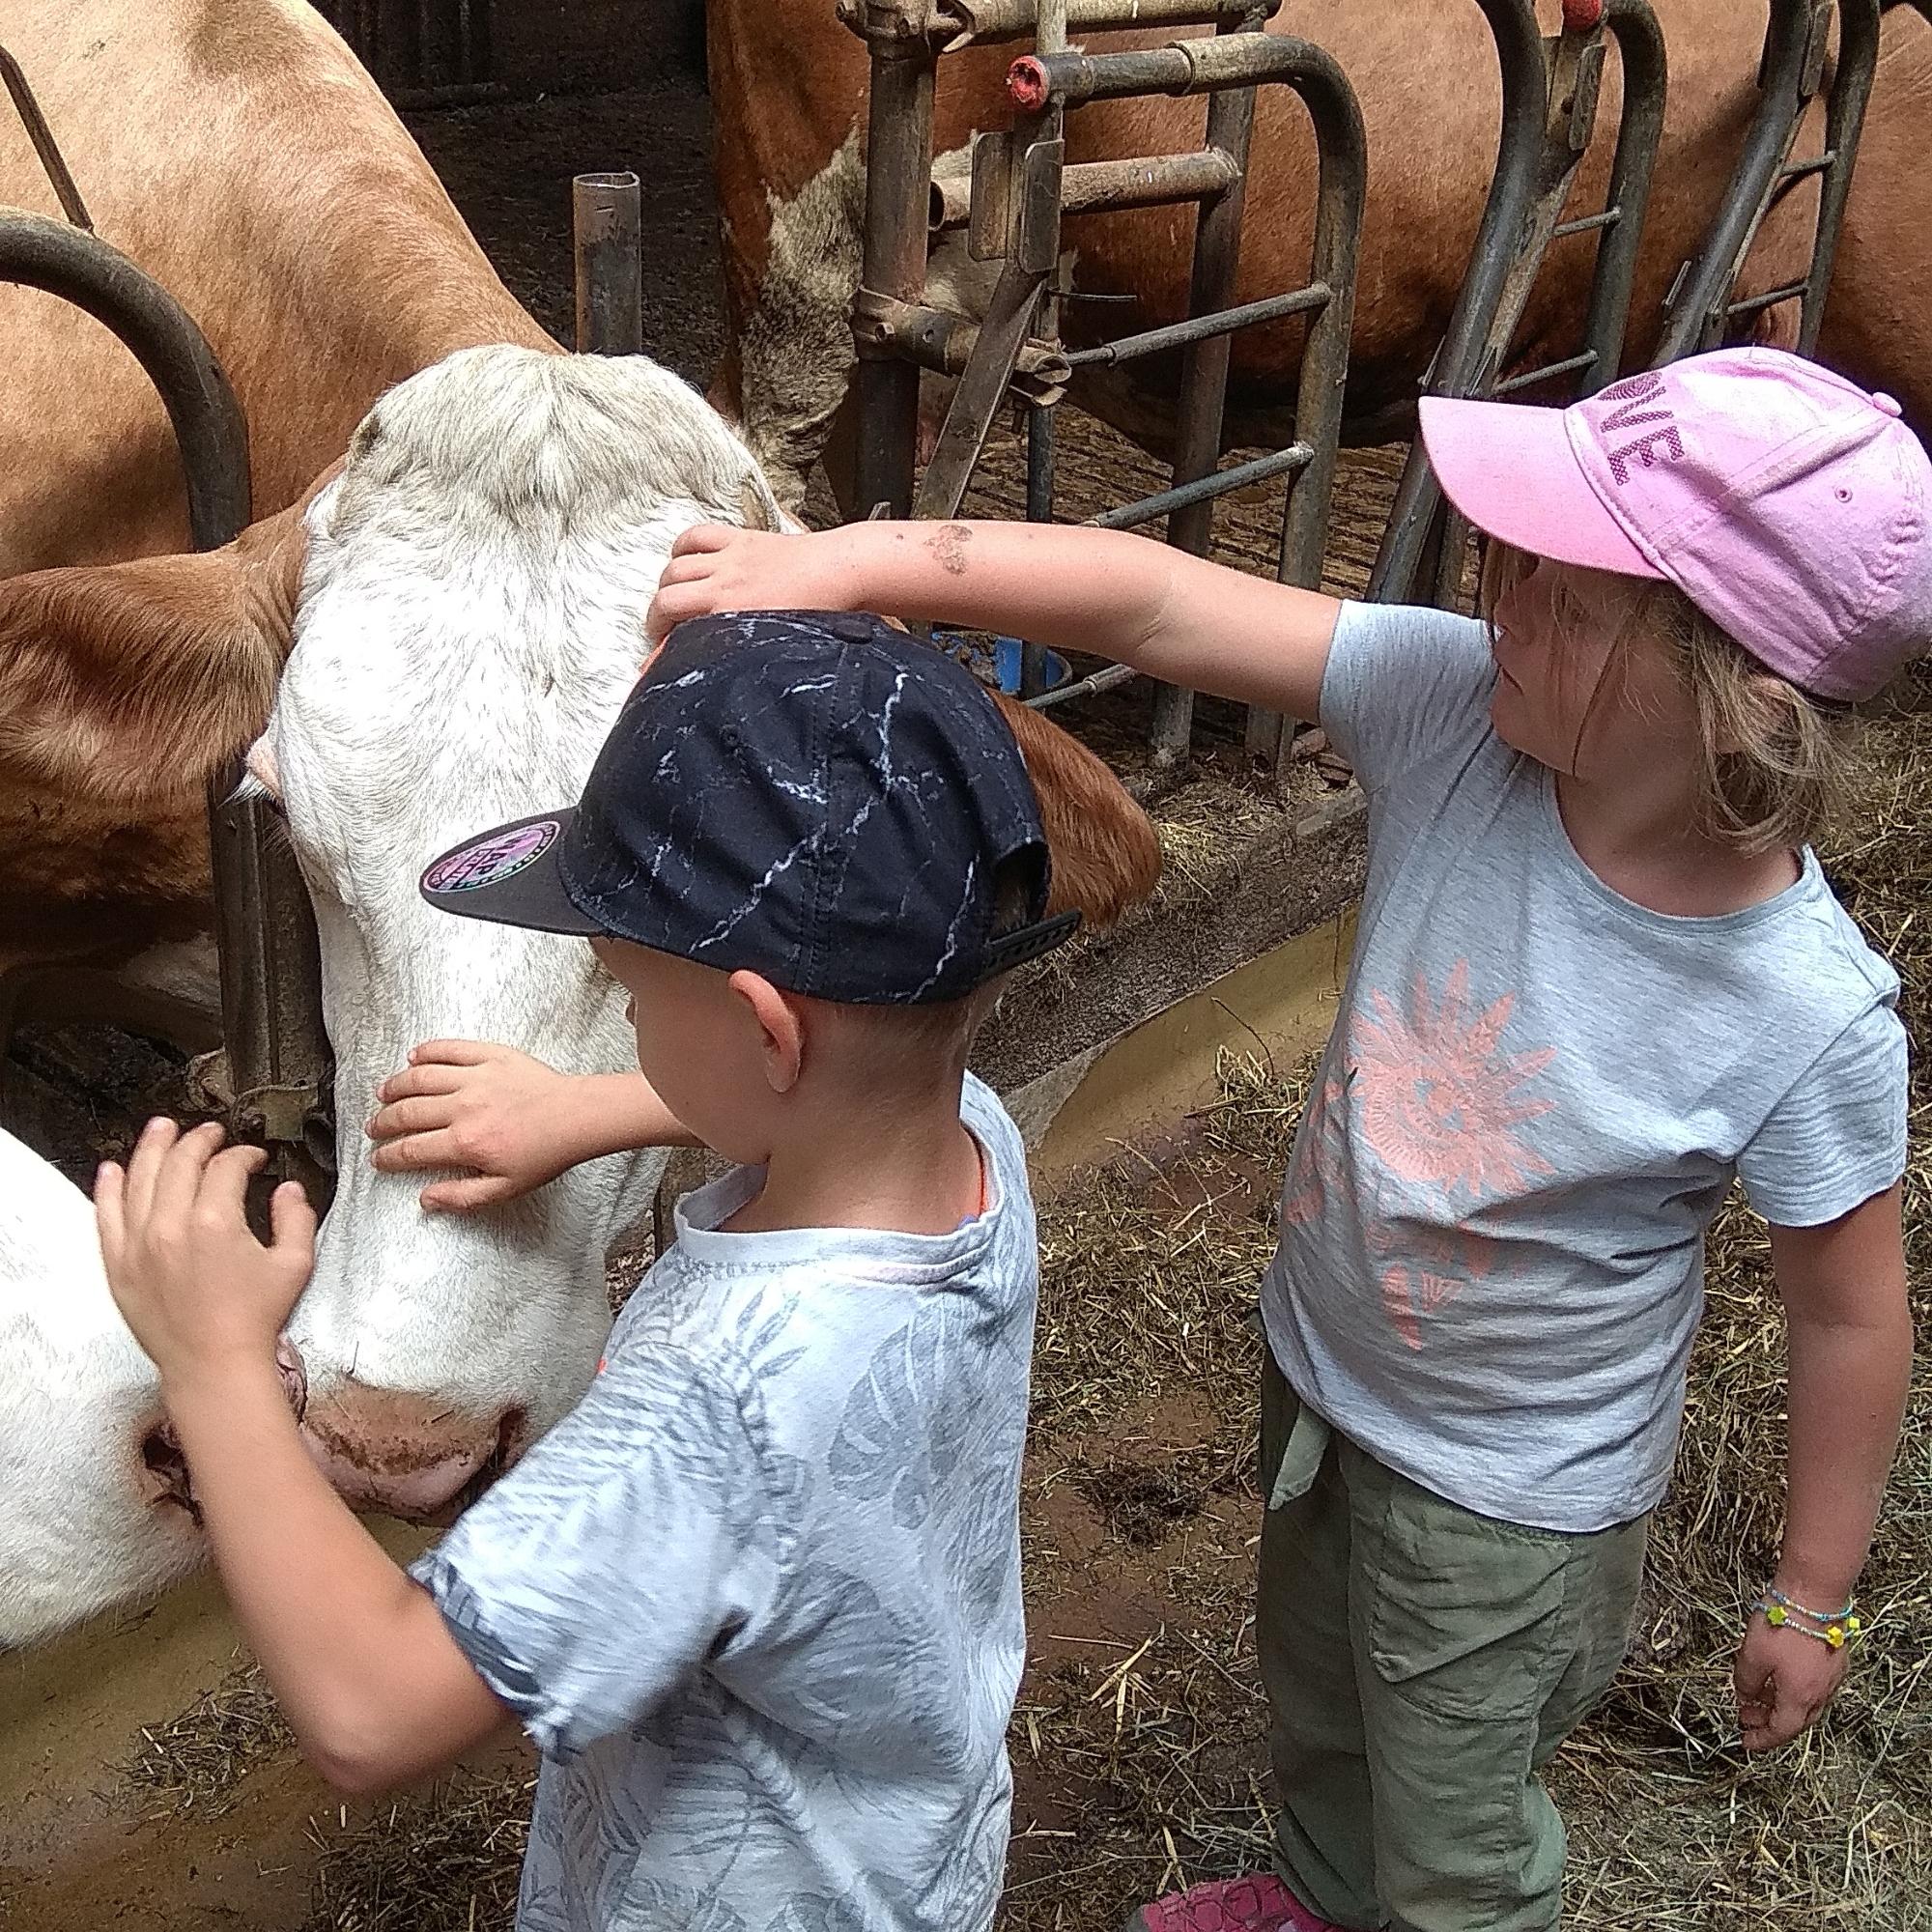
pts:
[1775, 759]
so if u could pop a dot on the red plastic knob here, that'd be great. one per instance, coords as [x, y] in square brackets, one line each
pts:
[1027, 83]
[1582, 16]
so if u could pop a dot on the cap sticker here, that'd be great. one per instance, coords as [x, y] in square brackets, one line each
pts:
[491, 859]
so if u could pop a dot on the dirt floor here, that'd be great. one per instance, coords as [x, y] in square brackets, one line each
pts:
[1137, 1743]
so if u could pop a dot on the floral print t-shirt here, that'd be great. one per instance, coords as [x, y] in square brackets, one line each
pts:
[757, 1597]
[1534, 1100]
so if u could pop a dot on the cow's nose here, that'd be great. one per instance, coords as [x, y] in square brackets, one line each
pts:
[405, 1454]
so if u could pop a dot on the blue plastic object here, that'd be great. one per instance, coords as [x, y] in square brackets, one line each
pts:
[1003, 668]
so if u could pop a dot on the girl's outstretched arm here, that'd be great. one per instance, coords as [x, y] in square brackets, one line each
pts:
[1105, 592]
[1844, 1293]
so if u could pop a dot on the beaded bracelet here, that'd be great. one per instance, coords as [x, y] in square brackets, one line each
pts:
[1831, 1628]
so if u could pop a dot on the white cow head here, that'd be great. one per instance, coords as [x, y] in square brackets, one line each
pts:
[470, 621]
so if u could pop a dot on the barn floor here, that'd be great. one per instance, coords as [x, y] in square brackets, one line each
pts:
[1137, 1745]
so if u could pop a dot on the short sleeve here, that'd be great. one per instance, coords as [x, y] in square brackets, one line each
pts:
[627, 1546]
[1403, 683]
[1838, 1136]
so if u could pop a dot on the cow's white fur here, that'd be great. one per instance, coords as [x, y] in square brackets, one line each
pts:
[470, 620]
[76, 1398]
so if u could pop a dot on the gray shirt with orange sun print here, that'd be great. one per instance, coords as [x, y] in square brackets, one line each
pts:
[757, 1597]
[1533, 1102]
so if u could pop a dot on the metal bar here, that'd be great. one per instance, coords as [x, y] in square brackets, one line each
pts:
[1696, 318]
[1201, 406]
[1859, 22]
[1571, 365]
[1204, 489]
[1096, 187]
[1197, 328]
[607, 228]
[1187, 67]
[1756, 304]
[45, 144]
[898, 173]
[1816, 166]
[1110, 679]
[1341, 145]
[989, 20]
[1584, 223]
[1506, 215]
[265, 933]
[1646, 91]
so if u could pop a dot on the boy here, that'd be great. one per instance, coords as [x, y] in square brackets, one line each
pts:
[757, 1597]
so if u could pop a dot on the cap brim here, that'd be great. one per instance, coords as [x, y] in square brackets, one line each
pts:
[1509, 469]
[509, 875]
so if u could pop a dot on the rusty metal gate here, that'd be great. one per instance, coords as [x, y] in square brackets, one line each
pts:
[278, 1074]
[1021, 188]
[1423, 550]
[421, 52]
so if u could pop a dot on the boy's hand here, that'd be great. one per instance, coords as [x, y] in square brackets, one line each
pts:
[465, 1103]
[1784, 1681]
[719, 567]
[200, 1293]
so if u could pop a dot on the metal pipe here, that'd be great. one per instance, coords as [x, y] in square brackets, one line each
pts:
[85, 271]
[1696, 316]
[1110, 679]
[45, 144]
[990, 20]
[1859, 22]
[607, 228]
[1187, 67]
[1197, 328]
[1204, 489]
[1458, 359]
[899, 175]
[1095, 188]
[1646, 86]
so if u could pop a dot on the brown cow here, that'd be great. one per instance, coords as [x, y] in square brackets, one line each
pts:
[788, 87]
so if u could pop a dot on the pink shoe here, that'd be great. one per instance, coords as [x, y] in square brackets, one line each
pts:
[1257, 1903]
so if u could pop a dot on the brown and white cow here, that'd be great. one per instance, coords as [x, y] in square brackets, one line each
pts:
[789, 92]
[432, 639]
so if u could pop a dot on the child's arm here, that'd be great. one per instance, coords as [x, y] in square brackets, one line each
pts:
[513, 1122]
[1105, 592]
[1844, 1293]
[374, 1685]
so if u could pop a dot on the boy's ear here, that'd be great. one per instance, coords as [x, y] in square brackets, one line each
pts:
[779, 1024]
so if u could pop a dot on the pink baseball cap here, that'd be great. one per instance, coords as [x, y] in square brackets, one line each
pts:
[1793, 508]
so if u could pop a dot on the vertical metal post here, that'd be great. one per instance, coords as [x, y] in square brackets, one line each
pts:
[1204, 370]
[607, 222]
[898, 189]
[1050, 36]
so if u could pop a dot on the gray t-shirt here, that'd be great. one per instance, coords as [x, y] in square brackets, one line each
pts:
[1536, 1097]
[757, 1597]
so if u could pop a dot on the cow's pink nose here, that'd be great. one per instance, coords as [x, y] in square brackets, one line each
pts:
[408, 1455]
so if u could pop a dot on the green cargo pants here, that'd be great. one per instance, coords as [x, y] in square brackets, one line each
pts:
[1422, 1663]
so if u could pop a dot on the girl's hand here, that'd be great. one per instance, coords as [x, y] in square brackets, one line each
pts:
[1784, 1681]
[718, 567]
[464, 1103]
[202, 1295]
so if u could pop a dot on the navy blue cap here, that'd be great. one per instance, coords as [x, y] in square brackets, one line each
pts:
[812, 796]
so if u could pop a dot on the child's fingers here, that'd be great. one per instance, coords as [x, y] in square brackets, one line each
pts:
[291, 1225]
[414, 1082]
[178, 1182]
[414, 1152]
[425, 1114]
[704, 537]
[464, 1196]
[144, 1166]
[110, 1186]
[224, 1184]
[456, 1052]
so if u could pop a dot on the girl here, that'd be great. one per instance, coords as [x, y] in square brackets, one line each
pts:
[1598, 975]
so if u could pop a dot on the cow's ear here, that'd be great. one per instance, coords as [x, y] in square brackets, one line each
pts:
[131, 683]
[1106, 859]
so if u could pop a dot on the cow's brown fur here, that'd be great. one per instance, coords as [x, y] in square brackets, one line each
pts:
[788, 88]
[234, 149]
